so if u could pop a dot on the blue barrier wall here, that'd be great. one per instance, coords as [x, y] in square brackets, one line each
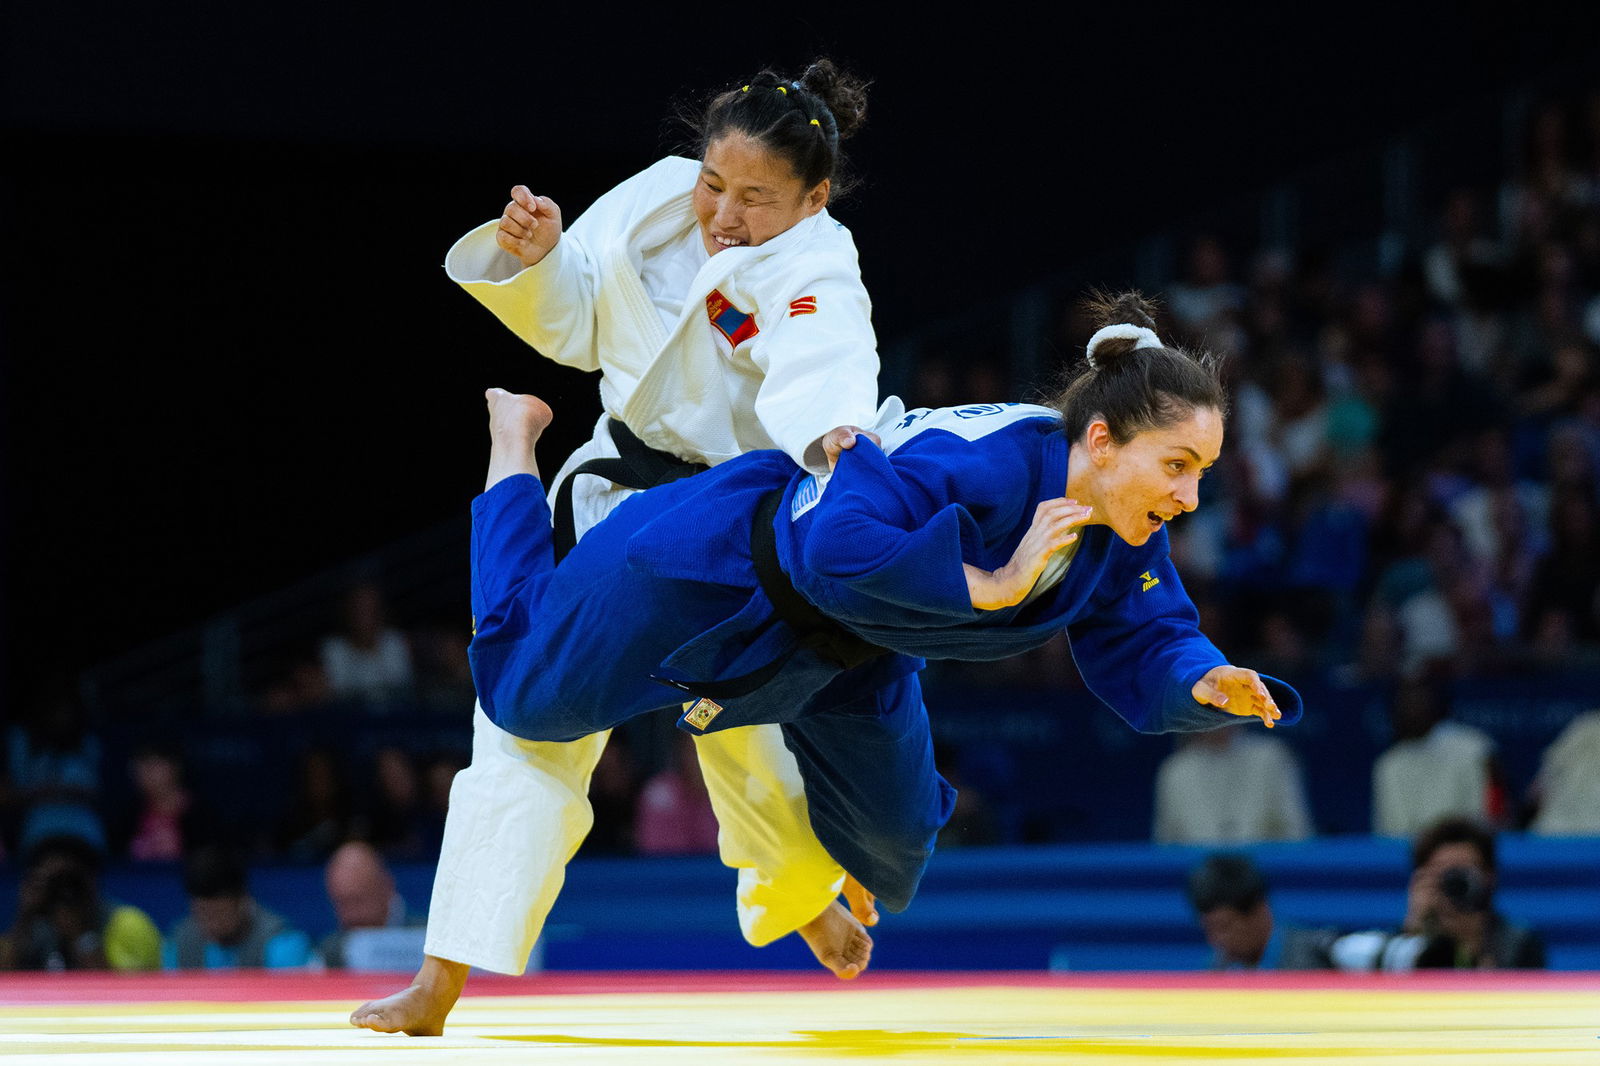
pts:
[1084, 907]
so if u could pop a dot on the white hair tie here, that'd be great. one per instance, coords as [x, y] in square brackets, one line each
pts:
[1145, 338]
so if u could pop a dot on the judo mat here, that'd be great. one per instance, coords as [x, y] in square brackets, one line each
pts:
[720, 1017]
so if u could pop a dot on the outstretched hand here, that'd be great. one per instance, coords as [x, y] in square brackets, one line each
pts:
[1237, 691]
[1055, 525]
[841, 439]
[529, 226]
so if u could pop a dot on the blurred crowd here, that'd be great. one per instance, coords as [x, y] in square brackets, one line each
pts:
[1409, 483]
[1409, 497]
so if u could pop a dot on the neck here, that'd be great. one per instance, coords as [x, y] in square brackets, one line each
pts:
[1081, 482]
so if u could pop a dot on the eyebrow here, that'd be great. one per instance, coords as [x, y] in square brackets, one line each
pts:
[1196, 455]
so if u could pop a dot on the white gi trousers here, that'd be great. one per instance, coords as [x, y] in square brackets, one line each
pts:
[519, 812]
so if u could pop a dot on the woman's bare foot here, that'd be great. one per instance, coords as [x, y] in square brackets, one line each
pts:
[421, 1009]
[515, 423]
[863, 904]
[838, 941]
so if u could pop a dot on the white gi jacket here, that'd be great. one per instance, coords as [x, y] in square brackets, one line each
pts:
[773, 348]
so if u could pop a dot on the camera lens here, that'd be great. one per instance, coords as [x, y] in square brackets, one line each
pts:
[1465, 888]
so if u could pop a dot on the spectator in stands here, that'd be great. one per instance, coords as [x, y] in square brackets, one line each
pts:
[367, 659]
[162, 816]
[1377, 652]
[1207, 297]
[226, 927]
[1455, 266]
[319, 818]
[438, 775]
[1451, 921]
[1436, 767]
[1431, 616]
[1225, 787]
[972, 820]
[298, 682]
[1229, 897]
[1566, 583]
[1450, 903]
[64, 923]
[674, 815]
[1566, 793]
[361, 890]
[395, 818]
[53, 771]
[439, 655]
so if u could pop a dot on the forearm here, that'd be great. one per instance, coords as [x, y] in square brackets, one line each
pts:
[550, 305]
[991, 590]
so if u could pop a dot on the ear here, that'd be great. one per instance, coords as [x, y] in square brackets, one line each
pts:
[817, 198]
[1098, 438]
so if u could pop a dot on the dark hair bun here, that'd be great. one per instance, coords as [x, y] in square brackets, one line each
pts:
[845, 94]
[1114, 309]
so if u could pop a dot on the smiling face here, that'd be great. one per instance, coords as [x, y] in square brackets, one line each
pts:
[1137, 487]
[747, 195]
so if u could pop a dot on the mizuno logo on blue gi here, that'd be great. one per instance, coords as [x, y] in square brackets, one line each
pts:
[1149, 582]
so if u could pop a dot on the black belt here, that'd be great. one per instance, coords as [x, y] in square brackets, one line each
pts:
[637, 466]
[816, 630]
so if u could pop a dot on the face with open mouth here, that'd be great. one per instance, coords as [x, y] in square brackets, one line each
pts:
[1155, 477]
[747, 195]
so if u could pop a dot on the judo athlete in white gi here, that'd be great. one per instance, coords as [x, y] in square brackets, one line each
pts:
[778, 595]
[724, 307]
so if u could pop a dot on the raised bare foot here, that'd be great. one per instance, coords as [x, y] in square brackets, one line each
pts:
[838, 941]
[863, 904]
[421, 1009]
[517, 413]
[515, 424]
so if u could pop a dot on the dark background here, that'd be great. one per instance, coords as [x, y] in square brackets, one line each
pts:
[231, 357]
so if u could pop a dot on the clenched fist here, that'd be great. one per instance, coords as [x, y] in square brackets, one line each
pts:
[530, 226]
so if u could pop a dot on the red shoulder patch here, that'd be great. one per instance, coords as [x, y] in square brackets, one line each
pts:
[805, 305]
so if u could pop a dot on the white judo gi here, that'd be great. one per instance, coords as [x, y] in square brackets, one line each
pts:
[767, 347]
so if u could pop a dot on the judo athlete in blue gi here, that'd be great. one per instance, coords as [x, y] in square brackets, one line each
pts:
[766, 594]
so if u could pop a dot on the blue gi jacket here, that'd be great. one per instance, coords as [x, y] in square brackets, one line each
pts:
[668, 587]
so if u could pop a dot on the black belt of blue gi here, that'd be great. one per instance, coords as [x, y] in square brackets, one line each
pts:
[637, 466]
[816, 630]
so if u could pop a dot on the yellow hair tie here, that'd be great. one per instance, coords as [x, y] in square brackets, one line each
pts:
[782, 90]
[745, 89]
[817, 124]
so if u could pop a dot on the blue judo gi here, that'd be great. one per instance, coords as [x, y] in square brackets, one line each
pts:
[665, 590]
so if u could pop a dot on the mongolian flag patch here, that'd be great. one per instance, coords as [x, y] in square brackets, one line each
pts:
[731, 322]
[805, 305]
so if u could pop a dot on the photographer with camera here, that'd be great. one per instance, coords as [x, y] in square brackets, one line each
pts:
[1450, 921]
[1450, 905]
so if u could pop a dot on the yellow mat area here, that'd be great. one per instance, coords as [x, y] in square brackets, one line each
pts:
[987, 1024]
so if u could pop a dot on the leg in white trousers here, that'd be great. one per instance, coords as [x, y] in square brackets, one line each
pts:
[519, 812]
